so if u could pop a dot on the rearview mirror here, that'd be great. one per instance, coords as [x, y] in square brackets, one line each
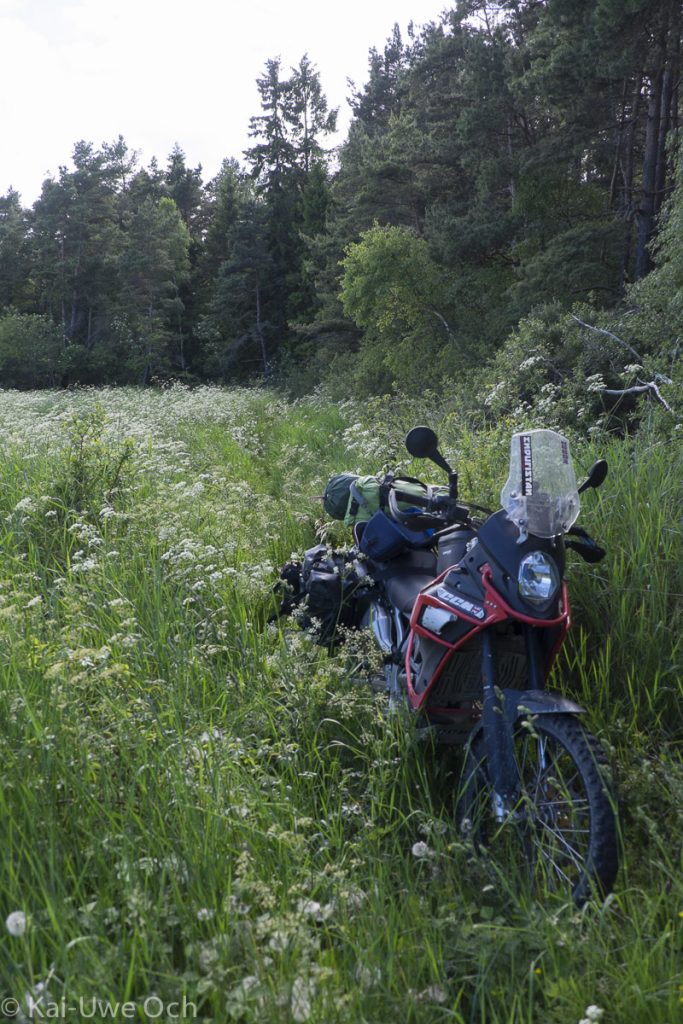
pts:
[596, 475]
[422, 443]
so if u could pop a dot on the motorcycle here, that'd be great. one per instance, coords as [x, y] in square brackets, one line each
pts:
[470, 614]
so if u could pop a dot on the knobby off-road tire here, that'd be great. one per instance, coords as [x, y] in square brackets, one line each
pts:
[562, 831]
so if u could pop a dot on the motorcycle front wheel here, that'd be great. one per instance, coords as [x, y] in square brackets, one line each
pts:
[561, 830]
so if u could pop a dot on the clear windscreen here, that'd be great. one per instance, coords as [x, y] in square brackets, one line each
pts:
[541, 496]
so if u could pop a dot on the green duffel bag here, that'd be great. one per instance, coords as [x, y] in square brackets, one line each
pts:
[336, 497]
[356, 499]
[368, 495]
[365, 498]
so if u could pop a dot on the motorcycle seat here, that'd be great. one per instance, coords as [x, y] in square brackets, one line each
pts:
[405, 576]
[403, 590]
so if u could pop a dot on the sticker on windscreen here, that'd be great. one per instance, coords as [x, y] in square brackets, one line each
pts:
[527, 465]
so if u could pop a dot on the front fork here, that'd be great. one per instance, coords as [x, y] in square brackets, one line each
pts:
[502, 710]
[500, 756]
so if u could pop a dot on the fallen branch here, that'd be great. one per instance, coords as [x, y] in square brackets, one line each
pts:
[443, 321]
[602, 330]
[640, 389]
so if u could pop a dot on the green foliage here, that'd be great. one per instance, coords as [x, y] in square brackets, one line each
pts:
[195, 804]
[236, 329]
[93, 471]
[658, 299]
[528, 145]
[15, 260]
[30, 351]
[394, 290]
[155, 265]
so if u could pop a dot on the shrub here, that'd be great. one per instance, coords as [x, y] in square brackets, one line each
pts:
[30, 351]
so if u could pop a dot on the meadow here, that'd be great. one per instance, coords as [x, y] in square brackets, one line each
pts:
[206, 816]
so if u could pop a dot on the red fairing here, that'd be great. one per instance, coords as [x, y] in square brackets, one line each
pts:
[496, 610]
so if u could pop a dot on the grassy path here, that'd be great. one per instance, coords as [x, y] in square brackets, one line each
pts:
[194, 806]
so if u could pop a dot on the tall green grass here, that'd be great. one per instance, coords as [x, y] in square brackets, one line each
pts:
[196, 804]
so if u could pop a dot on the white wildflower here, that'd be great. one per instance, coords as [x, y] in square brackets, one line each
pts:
[302, 991]
[421, 850]
[279, 940]
[39, 995]
[309, 908]
[206, 737]
[368, 977]
[205, 914]
[16, 923]
[595, 382]
[433, 994]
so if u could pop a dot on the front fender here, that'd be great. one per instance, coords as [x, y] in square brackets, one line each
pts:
[518, 703]
[522, 703]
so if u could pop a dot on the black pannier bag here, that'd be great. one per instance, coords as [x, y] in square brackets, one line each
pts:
[325, 588]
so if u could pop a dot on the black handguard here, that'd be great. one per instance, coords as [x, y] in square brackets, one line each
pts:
[586, 546]
[447, 506]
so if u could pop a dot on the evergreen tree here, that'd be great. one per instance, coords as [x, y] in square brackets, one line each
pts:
[76, 239]
[237, 332]
[294, 118]
[307, 116]
[382, 95]
[15, 264]
[154, 267]
[184, 187]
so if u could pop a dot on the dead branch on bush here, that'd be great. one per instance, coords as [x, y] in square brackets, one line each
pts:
[610, 334]
[640, 389]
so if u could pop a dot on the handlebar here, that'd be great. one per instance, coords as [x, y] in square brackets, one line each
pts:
[441, 507]
[443, 511]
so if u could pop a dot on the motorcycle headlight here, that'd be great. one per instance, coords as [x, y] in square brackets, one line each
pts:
[538, 580]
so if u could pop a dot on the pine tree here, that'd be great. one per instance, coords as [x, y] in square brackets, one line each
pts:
[289, 131]
[154, 267]
[237, 331]
[14, 252]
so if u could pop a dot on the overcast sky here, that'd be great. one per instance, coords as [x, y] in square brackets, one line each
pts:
[165, 71]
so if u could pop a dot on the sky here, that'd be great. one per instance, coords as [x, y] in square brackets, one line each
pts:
[161, 72]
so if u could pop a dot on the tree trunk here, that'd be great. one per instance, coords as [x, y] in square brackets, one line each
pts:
[669, 118]
[621, 131]
[664, 124]
[654, 160]
[646, 208]
[627, 205]
[259, 330]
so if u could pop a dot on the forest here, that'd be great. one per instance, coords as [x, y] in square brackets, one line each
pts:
[203, 812]
[505, 190]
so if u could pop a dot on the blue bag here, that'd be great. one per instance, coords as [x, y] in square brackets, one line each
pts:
[384, 538]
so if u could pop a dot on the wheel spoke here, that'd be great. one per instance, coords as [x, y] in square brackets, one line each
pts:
[561, 804]
[560, 837]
